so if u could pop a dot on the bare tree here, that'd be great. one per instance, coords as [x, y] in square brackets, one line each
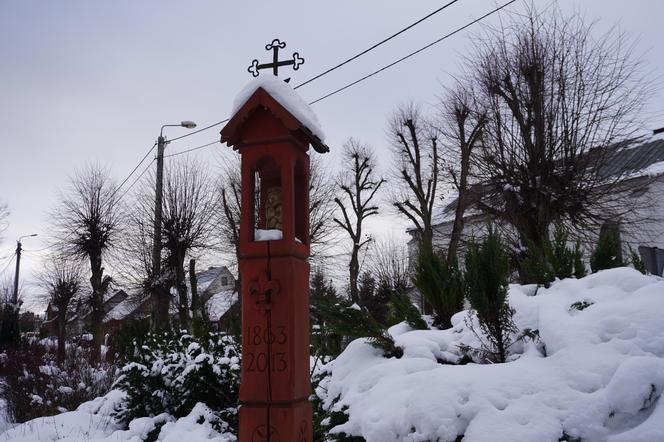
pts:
[389, 263]
[86, 227]
[416, 163]
[61, 278]
[558, 103]
[189, 204]
[228, 215]
[358, 185]
[461, 127]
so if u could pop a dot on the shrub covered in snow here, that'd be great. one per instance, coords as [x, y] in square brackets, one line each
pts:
[596, 374]
[172, 373]
[36, 385]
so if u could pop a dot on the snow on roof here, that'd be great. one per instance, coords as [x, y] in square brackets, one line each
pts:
[219, 303]
[120, 311]
[207, 277]
[286, 96]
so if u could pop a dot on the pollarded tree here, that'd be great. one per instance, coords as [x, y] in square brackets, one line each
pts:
[559, 103]
[461, 127]
[188, 215]
[61, 278]
[358, 185]
[86, 227]
[417, 169]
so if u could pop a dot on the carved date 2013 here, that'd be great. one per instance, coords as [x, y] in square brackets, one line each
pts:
[260, 361]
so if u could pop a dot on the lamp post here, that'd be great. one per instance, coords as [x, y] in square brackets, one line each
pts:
[156, 239]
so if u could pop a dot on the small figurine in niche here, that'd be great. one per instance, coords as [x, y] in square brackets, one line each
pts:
[273, 209]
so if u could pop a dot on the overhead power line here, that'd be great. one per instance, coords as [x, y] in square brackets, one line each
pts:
[191, 149]
[354, 57]
[136, 180]
[117, 189]
[8, 264]
[446, 36]
[456, 31]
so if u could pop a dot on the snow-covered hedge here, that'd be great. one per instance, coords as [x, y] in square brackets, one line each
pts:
[596, 373]
[170, 375]
[34, 384]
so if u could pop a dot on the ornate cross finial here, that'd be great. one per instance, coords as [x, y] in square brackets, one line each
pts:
[274, 47]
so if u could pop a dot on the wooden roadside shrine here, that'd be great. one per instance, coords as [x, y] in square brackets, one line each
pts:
[274, 249]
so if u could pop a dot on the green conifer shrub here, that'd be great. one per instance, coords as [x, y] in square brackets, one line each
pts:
[441, 284]
[404, 310]
[637, 262]
[554, 259]
[352, 321]
[608, 252]
[486, 283]
[375, 297]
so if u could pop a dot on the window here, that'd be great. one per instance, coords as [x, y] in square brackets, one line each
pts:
[224, 280]
[653, 258]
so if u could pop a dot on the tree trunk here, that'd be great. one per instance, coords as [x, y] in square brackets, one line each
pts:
[193, 283]
[354, 270]
[62, 334]
[181, 287]
[97, 315]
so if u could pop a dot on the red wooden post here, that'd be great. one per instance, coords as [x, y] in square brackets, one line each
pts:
[275, 385]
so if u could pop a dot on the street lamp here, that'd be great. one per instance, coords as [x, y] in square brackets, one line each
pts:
[156, 239]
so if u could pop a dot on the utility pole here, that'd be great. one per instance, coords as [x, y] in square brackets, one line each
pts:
[159, 294]
[10, 335]
[156, 287]
[18, 268]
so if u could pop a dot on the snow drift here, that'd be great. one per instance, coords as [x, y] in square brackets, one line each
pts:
[596, 374]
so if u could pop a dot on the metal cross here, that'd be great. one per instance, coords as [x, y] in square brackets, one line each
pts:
[263, 288]
[274, 47]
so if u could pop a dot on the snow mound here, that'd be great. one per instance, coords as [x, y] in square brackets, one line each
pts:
[597, 373]
[93, 422]
[286, 96]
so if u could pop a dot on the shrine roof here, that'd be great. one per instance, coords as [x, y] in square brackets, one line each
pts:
[273, 93]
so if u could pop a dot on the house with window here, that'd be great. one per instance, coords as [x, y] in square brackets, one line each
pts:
[216, 288]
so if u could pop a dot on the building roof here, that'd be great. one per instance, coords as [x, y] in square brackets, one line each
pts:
[629, 161]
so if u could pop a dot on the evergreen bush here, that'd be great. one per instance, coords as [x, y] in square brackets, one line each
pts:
[325, 342]
[171, 373]
[608, 252]
[637, 262]
[404, 310]
[350, 320]
[554, 259]
[441, 284]
[375, 297]
[486, 283]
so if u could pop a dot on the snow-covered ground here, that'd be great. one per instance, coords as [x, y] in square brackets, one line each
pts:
[596, 374]
[92, 422]
[601, 378]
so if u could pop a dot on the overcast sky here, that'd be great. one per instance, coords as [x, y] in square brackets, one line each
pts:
[92, 81]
